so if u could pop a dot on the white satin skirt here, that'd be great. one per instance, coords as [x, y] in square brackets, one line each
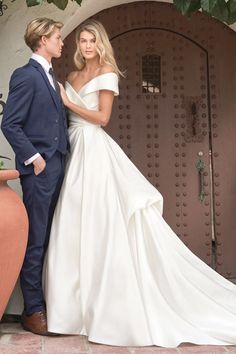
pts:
[115, 271]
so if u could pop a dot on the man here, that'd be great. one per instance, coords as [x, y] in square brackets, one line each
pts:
[34, 123]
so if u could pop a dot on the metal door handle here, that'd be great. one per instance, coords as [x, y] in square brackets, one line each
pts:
[200, 168]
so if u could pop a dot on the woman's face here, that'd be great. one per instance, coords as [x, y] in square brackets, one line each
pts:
[87, 45]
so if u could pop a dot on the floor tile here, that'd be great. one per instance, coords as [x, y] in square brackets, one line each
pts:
[201, 349]
[64, 345]
[230, 349]
[20, 343]
[14, 340]
[156, 350]
[106, 349]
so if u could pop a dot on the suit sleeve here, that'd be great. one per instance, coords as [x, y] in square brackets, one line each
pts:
[16, 112]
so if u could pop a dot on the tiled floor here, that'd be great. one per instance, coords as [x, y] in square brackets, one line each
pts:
[14, 340]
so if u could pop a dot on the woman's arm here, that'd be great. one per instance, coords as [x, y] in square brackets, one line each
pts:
[101, 116]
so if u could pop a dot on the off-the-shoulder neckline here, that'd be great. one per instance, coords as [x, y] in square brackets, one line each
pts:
[78, 91]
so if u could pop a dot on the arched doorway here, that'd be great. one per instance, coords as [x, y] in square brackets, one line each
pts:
[175, 118]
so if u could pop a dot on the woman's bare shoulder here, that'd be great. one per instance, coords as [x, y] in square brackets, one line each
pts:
[106, 68]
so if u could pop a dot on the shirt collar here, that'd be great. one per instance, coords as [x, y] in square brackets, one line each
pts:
[42, 61]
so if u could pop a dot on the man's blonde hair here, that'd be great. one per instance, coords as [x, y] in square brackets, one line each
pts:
[37, 28]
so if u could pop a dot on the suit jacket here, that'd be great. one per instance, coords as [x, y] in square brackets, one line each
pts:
[34, 118]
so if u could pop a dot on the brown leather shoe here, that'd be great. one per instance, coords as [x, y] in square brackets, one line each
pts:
[36, 323]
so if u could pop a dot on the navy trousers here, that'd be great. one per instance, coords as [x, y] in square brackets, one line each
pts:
[40, 194]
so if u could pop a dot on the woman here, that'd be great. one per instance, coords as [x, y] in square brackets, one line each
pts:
[115, 271]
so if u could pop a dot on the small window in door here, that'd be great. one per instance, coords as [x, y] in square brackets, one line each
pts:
[151, 73]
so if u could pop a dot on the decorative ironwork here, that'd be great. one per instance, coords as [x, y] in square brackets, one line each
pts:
[2, 103]
[3, 7]
[151, 72]
[194, 132]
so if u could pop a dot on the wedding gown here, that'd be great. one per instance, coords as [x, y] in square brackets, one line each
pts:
[115, 271]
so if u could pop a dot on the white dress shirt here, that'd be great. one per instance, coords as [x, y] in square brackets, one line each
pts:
[46, 66]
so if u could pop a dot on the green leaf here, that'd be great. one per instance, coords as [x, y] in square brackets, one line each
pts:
[61, 4]
[231, 6]
[34, 2]
[208, 5]
[194, 6]
[232, 18]
[221, 11]
[181, 6]
[79, 2]
[187, 6]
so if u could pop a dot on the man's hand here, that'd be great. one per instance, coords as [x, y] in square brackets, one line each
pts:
[64, 96]
[39, 165]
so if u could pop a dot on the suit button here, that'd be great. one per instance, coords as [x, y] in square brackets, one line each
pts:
[56, 120]
[56, 138]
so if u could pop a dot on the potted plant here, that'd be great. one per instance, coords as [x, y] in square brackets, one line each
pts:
[13, 234]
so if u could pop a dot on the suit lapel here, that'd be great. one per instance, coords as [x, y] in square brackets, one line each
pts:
[53, 93]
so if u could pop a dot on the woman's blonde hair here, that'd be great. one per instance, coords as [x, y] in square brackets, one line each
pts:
[37, 28]
[103, 45]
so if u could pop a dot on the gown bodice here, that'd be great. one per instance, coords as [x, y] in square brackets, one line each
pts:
[88, 95]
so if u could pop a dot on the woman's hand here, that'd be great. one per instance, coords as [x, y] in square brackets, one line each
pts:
[64, 96]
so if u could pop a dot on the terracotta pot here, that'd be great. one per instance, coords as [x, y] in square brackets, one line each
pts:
[13, 236]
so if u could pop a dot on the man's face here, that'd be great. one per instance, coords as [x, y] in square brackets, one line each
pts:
[54, 44]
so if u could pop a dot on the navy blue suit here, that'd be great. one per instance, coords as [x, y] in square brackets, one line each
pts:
[34, 120]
